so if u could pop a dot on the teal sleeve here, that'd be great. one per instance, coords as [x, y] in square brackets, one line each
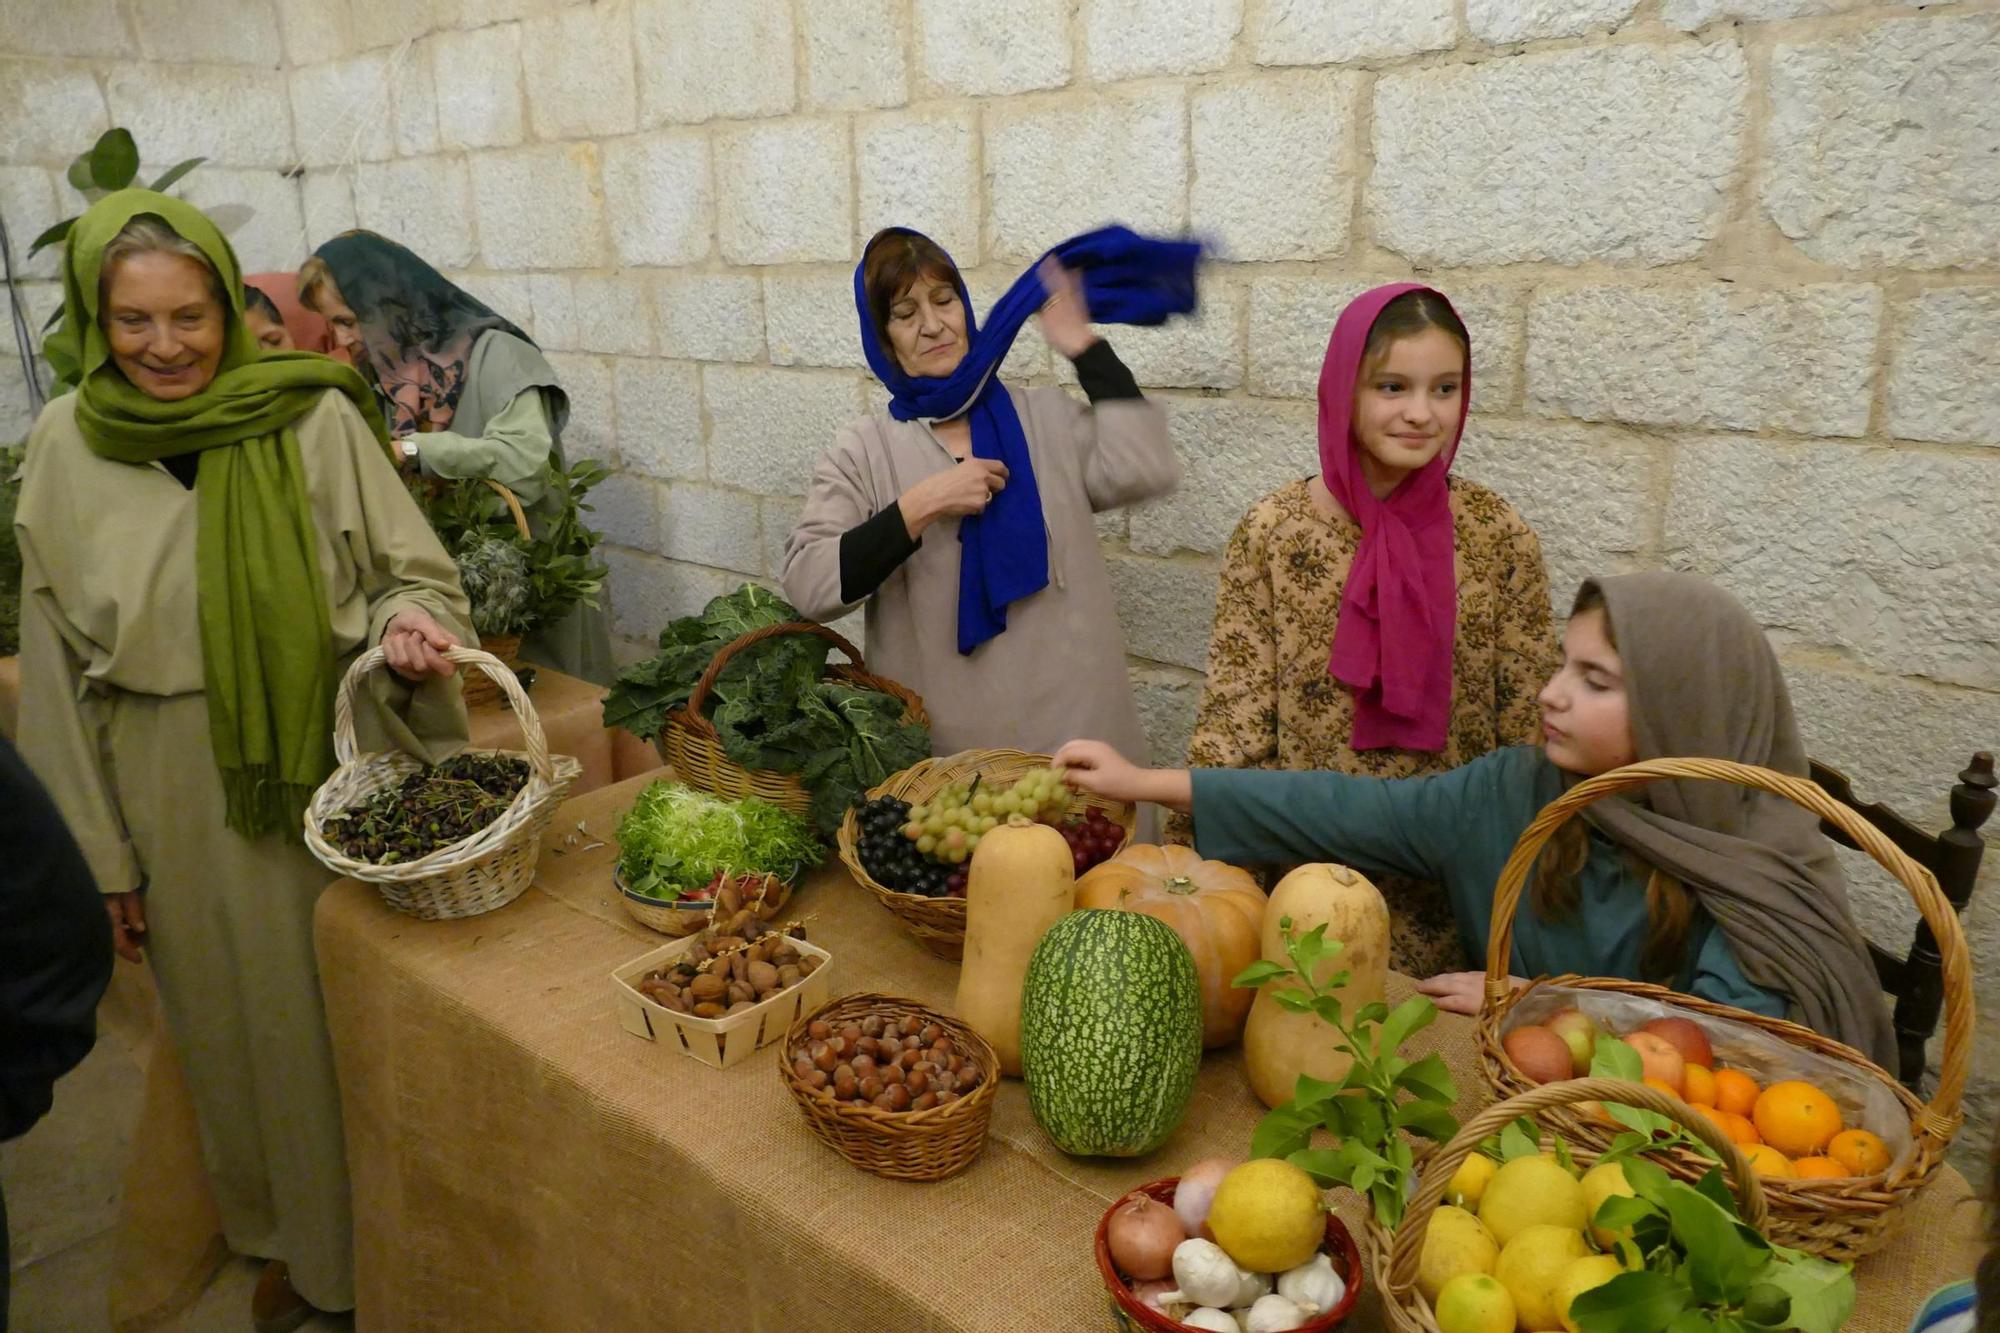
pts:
[1414, 827]
[1717, 977]
[514, 450]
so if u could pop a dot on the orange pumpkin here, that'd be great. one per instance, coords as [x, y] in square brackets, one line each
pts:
[1216, 909]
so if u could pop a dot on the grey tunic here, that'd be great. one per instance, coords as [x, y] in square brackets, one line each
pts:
[1058, 672]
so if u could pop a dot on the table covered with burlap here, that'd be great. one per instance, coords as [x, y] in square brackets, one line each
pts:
[521, 1161]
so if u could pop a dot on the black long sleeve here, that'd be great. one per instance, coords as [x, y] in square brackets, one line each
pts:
[872, 550]
[1103, 376]
[55, 948]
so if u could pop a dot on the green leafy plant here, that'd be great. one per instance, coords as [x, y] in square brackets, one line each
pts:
[675, 840]
[563, 571]
[112, 163]
[1383, 1097]
[1697, 1266]
[771, 706]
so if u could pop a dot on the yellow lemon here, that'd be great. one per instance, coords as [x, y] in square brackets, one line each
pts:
[1529, 1191]
[1579, 1277]
[1601, 1182]
[1474, 1303]
[1455, 1243]
[1267, 1216]
[1529, 1267]
[1468, 1183]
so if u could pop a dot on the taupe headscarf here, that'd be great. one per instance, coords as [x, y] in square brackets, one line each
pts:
[1702, 682]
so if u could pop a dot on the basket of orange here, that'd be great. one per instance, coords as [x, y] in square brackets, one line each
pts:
[1839, 1144]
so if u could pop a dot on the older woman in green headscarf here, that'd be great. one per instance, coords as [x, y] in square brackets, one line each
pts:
[208, 537]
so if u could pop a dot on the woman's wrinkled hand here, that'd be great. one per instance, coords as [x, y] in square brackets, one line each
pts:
[965, 488]
[1065, 316]
[414, 646]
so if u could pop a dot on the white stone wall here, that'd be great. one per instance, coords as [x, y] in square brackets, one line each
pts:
[1732, 267]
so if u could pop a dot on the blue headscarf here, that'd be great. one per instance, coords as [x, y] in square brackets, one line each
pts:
[1004, 557]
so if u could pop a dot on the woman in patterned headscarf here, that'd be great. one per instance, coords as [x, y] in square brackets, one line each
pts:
[465, 392]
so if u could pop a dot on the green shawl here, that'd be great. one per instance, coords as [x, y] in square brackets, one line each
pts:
[266, 636]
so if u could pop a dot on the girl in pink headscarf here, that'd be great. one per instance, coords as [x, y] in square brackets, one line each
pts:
[1382, 618]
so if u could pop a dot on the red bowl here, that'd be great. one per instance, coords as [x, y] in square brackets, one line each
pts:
[1132, 1313]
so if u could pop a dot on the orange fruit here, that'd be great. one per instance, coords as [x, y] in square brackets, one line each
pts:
[1796, 1118]
[1768, 1160]
[1661, 1085]
[1699, 1086]
[1819, 1168]
[1858, 1152]
[1735, 1091]
[1734, 1127]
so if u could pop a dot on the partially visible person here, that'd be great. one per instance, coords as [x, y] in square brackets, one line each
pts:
[466, 395]
[1971, 1305]
[308, 332]
[210, 535]
[55, 959]
[266, 325]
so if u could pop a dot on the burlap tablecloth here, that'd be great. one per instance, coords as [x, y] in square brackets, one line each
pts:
[520, 1161]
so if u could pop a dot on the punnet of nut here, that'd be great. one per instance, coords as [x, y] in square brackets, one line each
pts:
[890, 1064]
[731, 967]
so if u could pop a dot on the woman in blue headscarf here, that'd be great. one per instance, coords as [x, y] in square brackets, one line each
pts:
[962, 517]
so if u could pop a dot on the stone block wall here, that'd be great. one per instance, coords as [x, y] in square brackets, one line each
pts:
[1732, 267]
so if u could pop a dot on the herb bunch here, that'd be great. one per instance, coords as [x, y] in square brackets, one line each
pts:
[563, 569]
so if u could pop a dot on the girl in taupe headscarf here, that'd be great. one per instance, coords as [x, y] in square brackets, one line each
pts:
[1713, 889]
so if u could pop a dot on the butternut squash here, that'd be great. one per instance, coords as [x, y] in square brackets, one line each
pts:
[1022, 881]
[1278, 1046]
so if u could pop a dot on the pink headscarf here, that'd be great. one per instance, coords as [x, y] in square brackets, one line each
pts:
[1399, 612]
[309, 332]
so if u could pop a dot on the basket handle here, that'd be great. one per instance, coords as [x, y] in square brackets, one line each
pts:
[1407, 1246]
[1941, 1118]
[697, 721]
[513, 508]
[524, 711]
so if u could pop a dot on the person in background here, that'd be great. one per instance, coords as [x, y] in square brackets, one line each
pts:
[210, 534]
[266, 325]
[1705, 887]
[307, 331]
[962, 517]
[1381, 617]
[55, 959]
[466, 395]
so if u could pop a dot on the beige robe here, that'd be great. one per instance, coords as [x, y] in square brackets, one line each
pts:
[1058, 672]
[114, 720]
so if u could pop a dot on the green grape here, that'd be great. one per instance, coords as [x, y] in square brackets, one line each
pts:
[935, 826]
[988, 824]
[913, 830]
[956, 856]
[919, 813]
[954, 839]
[982, 804]
[1031, 808]
[972, 842]
[927, 844]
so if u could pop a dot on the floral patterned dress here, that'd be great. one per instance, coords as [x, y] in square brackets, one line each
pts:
[1269, 702]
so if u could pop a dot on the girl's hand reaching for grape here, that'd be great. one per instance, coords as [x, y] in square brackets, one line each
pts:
[1095, 767]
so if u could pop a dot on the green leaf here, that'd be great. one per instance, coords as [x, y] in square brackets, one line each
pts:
[1614, 1059]
[1283, 1131]
[51, 237]
[1722, 1254]
[1563, 1154]
[1518, 1142]
[1645, 1122]
[1258, 973]
[79, 176]
[1714, 1186]
[1312, 948]
[1648, 1180]
[1822, 1292]
[1410, 1017]
[114, 162]
[173, 174]
[1430, 1078]
[1373, 1012]
[1767, 1306]
[1630, 1303]
[1427, 1119]
[1293, 1000]
[1327, 1008]
[1620, 1211]
[1622, 1147]
[1363, 1178]
[1690, 1321]
[1313, 1092]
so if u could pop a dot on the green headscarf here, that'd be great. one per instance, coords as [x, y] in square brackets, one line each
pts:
[266, 635]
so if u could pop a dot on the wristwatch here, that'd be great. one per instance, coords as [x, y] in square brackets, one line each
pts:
[408, 448]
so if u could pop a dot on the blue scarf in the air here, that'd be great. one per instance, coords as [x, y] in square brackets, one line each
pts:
[1127, 279]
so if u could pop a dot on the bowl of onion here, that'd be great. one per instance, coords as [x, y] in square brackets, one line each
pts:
[1163, 1276]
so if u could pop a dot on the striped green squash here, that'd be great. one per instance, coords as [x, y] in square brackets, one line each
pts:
[1110, 1033]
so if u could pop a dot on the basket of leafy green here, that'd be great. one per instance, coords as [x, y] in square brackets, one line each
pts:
[683, 852]
[742, 701]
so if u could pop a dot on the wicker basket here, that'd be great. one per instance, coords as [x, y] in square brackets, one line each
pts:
[1396, 1257]
[1840, 1219]
[691, 747]
[939, 923]
[477, 874]
[685, 916]
[716, 1042]
[898, 1145]
[482, 689]
[1135, 1316]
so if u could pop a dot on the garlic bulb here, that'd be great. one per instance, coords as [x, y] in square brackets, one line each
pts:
[1249, 1286]
[1313, 1286]
[1217, 1321]
[1273, 1314]
[1206, 1275]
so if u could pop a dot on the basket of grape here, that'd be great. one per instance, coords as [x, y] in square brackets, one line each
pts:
[911, 841]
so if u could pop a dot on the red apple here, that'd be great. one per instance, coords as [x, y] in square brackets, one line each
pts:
[1687, 1038]
[1579, 1032]
[1660, 1058]
[1538, 1053]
